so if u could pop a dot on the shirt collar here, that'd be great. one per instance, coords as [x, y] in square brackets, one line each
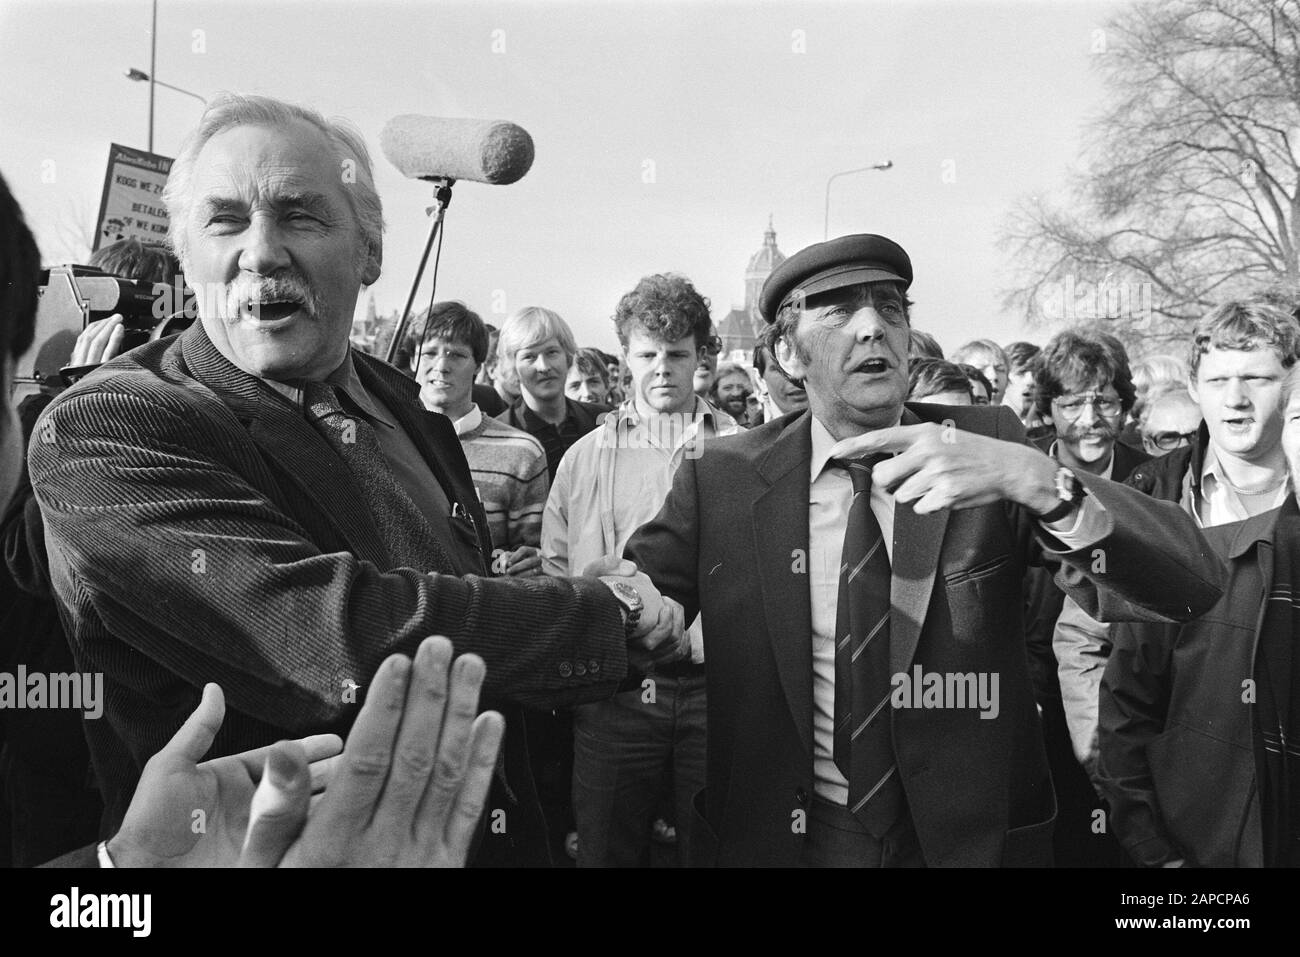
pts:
[535, 422]
[1212, 469]
[705, 419]
[822, 442]
[470, 421]
[345, 379]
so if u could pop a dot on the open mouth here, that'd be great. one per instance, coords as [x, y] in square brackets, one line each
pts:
[274, 309]
[873, 366]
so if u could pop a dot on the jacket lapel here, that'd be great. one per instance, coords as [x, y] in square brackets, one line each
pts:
[780, 522]
[918, 542]
[434, 436]
[284, 435]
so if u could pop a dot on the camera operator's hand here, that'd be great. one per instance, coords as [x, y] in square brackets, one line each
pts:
[99, 341]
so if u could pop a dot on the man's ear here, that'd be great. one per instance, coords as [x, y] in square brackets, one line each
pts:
[1191, 388]
[371, 268]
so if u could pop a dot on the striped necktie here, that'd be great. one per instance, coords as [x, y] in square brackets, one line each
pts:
[864, 751]
[402, 526]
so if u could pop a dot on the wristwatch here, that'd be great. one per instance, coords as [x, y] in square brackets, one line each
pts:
[630, 601]
[1070, 491]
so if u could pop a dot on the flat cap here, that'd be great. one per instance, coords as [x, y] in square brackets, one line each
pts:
[844, 261]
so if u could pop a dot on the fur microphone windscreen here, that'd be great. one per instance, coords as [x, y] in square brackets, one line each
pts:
[482, 151]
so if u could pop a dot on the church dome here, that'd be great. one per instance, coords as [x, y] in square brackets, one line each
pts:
[767, 258]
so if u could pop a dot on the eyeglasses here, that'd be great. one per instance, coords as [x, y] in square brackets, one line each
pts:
[1168, 441]
[1071, 406]
[713, 345]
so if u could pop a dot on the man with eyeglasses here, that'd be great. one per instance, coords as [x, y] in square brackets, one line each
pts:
[1170, 420]
[1232, 469]
[1194, 720]
[1086, 387]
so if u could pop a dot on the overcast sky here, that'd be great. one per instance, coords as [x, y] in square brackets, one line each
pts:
[665, 132]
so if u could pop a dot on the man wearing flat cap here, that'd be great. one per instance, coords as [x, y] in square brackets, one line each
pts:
[858, 567]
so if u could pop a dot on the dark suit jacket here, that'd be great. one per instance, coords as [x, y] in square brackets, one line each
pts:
[728, 542]
[200, 529]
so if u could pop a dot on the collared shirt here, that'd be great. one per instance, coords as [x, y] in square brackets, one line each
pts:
[830, 496]
[399, 450]
[509, 471]
[555, 439]
[616, 479]
[1220, 503]
[469, 421]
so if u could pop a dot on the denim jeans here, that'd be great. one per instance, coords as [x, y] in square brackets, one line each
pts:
[624, 750]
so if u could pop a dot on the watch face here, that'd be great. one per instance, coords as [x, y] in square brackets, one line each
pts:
[628, 594]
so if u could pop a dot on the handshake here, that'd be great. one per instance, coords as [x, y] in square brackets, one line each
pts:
[659, 637]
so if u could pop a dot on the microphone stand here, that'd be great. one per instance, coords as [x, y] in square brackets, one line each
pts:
[441, 200]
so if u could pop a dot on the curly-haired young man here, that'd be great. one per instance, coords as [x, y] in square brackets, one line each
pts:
[611, 482]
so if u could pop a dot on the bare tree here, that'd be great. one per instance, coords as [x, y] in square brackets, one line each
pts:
[1188, 193]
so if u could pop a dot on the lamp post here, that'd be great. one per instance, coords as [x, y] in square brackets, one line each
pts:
[887, 164]
[142, 76]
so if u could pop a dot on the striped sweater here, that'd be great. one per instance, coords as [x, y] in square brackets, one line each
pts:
[509, 470]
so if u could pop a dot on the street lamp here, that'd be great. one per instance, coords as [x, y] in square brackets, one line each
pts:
[141, 74]
[887, 164]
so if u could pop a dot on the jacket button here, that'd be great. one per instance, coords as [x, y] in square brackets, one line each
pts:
[579, 669]
[593, 666]
[566, 669]
[801, 795]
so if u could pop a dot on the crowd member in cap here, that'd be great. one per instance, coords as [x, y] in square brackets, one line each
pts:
[922, 345]
[1233, 469]
[588, 379]
[538, 346]
[1083, 379]
[987, 356]
[626, 749]
[780, 395]
[255, 504]
[1195, 728]
[806, 726]
[938, 381]
[981, 390]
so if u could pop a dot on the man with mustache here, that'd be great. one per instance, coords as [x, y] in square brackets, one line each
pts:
[1232, 470]
[825, 571]
[255, 504]
[1085, 385]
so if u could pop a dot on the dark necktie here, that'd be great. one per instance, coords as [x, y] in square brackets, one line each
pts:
[402, 527]
[864, 752]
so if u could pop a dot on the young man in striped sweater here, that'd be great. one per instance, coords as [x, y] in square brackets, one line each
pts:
[508, 465]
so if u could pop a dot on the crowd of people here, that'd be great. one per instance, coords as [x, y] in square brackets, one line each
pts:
[848, 603]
